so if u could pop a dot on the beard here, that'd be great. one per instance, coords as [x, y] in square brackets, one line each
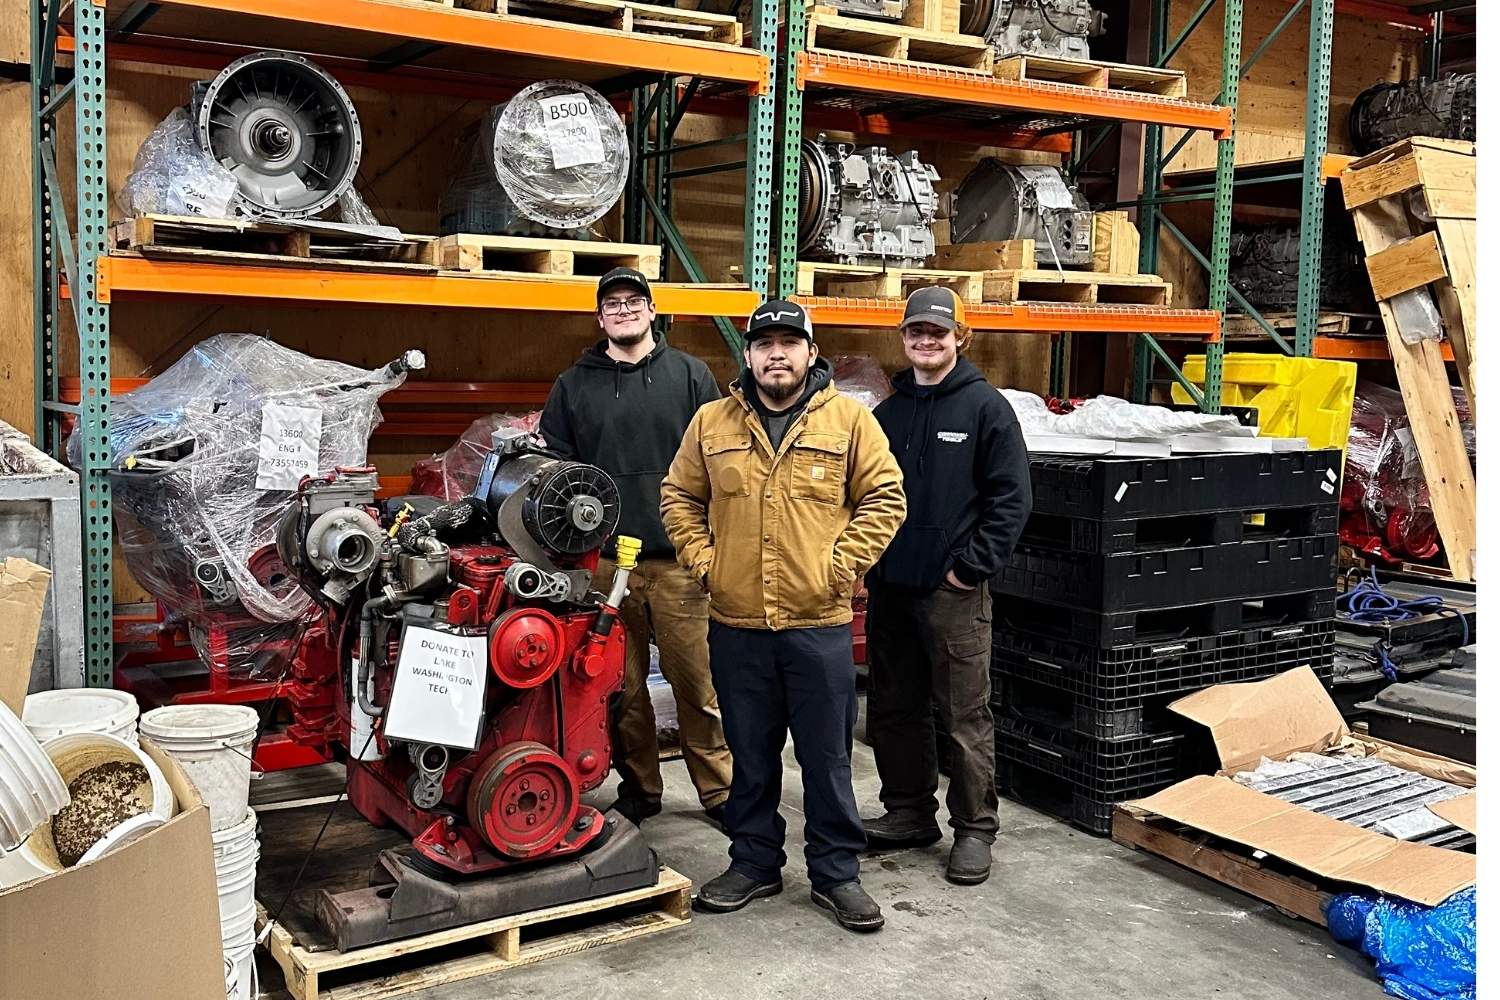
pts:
[780, 392]
[626, 339]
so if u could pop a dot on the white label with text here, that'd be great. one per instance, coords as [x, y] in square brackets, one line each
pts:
[289, 440]
[438, 694]
[572, 130]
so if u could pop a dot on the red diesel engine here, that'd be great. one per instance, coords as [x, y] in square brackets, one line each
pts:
[465, 664]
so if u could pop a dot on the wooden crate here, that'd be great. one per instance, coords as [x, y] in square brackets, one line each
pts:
[996, 255]
[1330, 324]
[1292, 891]
[861, 281]
[511, 255]
[622, 15]
[401, 967]
[265, 243]
[1414, 210]
[829, 31]
[1117, 244]
[1052, 285]
[1094, 75]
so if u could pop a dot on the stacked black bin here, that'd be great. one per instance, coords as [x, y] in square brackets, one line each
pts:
[1138, 581]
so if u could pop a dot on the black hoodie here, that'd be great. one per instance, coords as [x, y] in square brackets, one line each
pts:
[628, 419]
[967, 478]
[776, 422]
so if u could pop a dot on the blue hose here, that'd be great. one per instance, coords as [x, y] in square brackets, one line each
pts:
[1369, 604]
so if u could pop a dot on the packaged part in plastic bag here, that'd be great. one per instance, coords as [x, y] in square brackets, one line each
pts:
[205, 459]
[174, 176]
[549, 162]
[1420, 952]
[861, 377]
[454, 473]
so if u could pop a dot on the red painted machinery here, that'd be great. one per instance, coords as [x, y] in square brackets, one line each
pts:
[463, 666]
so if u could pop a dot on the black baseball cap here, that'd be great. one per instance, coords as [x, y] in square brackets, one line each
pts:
[934, 304]
[623, 276]
[778, 314]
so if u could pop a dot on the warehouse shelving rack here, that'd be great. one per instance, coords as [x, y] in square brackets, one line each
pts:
[372, 42]
[1024, 114]
[1316, 169]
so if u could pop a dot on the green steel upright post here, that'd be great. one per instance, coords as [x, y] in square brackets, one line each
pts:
[790, 144]
[93, 346]
[635, 214]
[665, 105]
[1218, 277]
[44, 263]
[1315, 146]
[760, 154]
[1149, 210]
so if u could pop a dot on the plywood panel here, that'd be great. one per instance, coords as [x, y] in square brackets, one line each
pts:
[1270, 121]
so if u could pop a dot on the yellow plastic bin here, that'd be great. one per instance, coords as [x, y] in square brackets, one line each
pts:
[1296, 397]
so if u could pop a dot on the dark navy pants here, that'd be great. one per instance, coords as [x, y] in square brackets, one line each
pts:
[800, 680]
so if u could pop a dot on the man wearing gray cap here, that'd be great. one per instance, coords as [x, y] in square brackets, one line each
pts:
[968, 484]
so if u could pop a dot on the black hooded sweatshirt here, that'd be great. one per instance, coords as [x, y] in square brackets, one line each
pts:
[629, 419]
[776, 422]
[967, 479]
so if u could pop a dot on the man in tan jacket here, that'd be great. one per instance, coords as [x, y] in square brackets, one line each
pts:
[780, 497]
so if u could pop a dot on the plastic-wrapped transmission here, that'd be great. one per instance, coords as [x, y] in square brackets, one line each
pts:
[861, 377]
[174, 176]
[204, 460]
[552, 159]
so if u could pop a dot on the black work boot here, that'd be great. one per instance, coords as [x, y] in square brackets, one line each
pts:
[969, 861]
[731, 891]
[715, 814]
[635, 808]
[852, 907]
[901, 830]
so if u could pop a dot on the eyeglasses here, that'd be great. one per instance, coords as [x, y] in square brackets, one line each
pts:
[613, 307]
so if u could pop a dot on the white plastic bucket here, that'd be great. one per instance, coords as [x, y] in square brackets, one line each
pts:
[72, 756]
[31, 790]
[213, 744]
[50, 714]
[239, 924]
[236, 852]
[16, 868]
[239, 968]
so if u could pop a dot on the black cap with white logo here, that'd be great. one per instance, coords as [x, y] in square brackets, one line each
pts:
[778, 314]
[623, 276]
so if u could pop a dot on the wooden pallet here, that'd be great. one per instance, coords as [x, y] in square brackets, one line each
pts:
[861, 281]
[1052, 285]
[1330, 324]
[1094, 75]
[510, 255]
[621, 15]
[278, 244]
[401, 967]
[1406, 251]
[829, 31]
[1292, 891]
[1116, 250]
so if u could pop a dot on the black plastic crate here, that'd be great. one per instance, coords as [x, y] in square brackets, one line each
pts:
[1108, 488]
[1040, 790]
[1097, 767]
[1161, 579]
[1104, 677]
[1138, 534]
[1123, 628]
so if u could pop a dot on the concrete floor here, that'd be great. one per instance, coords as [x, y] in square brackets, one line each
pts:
[1065, 915]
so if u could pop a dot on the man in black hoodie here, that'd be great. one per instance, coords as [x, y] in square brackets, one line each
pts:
[624, 407]
[968, 490]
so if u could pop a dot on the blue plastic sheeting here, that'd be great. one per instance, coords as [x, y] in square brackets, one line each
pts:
[1420, 952]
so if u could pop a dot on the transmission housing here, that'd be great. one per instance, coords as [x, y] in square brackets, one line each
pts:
[861, 205]
[1057, 28]
[1002, 201]
[1390, 112]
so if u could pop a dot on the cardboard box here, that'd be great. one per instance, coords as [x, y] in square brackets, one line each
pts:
[140, 922]
[23, 595]
[1291, 713]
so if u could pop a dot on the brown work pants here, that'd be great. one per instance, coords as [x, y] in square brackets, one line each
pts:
[666, 602]
[925, 650]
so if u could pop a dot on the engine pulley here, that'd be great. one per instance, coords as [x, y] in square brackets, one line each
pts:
[526, 647]
[523, 799]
